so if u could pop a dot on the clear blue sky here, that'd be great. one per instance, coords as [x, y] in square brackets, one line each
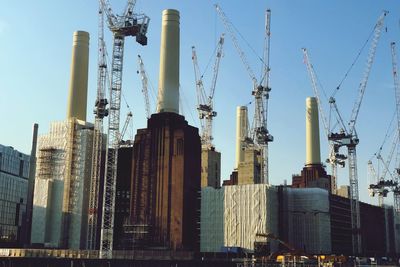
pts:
[35, 54]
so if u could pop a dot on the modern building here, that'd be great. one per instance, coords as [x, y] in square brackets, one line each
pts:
[14, 175]
[64, 157]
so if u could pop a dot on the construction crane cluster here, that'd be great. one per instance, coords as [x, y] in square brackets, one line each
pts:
[383, 185]
[261, 90]
[347, 135]
[205, 102]
[131, 24]
[121, 26]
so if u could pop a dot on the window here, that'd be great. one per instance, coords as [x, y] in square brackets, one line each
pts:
[179, 146]
[21, 168]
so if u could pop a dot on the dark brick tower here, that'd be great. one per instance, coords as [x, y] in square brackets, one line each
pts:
[166, 173]
[165, 189]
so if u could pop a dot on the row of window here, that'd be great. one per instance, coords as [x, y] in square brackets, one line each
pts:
[12, 188]
[14, 162]
[11, 213]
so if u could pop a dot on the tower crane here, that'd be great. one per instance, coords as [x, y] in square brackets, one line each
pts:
[206, 103]
[396, 189]
[379, 185]
[145, 91]
[378, 188]
[100, 112]
[128, 120]
[334, 157]
[121, 26]
[348, 137]
[261, 89]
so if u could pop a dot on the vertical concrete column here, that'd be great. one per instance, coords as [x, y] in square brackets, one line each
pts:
[31, 186]
[77, 98]
[313, 155]
[168, 82]
[241, 133]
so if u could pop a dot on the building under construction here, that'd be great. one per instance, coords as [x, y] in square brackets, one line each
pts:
[64, 164]
[305, 215]
[311, 220]
[157, 199]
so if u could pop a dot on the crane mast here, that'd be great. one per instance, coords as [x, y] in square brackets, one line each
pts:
[396, 189]
[100, 112]
[128, 24]
[350, 139]
[143, 76]
[206, 103]
[259, 132]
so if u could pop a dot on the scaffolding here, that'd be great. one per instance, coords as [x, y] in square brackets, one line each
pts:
[62, 170]
[46, 162]
[233, 215]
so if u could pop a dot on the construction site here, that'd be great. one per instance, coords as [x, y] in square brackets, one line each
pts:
[158, 199]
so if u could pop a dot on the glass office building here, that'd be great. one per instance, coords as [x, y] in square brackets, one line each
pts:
[14, 173]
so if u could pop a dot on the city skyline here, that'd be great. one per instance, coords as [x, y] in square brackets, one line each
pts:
[333, 32]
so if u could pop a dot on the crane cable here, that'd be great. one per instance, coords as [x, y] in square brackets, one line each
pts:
[248, 44]
[209, 62]
[389, 132]
[354, 62]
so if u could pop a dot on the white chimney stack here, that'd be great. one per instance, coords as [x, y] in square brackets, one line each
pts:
[241, 133]
[77, 99]
[168, 82]
[312, 132]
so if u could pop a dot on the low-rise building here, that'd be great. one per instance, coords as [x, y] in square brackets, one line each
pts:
[14, 174]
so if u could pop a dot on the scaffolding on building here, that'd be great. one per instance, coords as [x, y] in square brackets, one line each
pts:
[62, 157]
[45, 162]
